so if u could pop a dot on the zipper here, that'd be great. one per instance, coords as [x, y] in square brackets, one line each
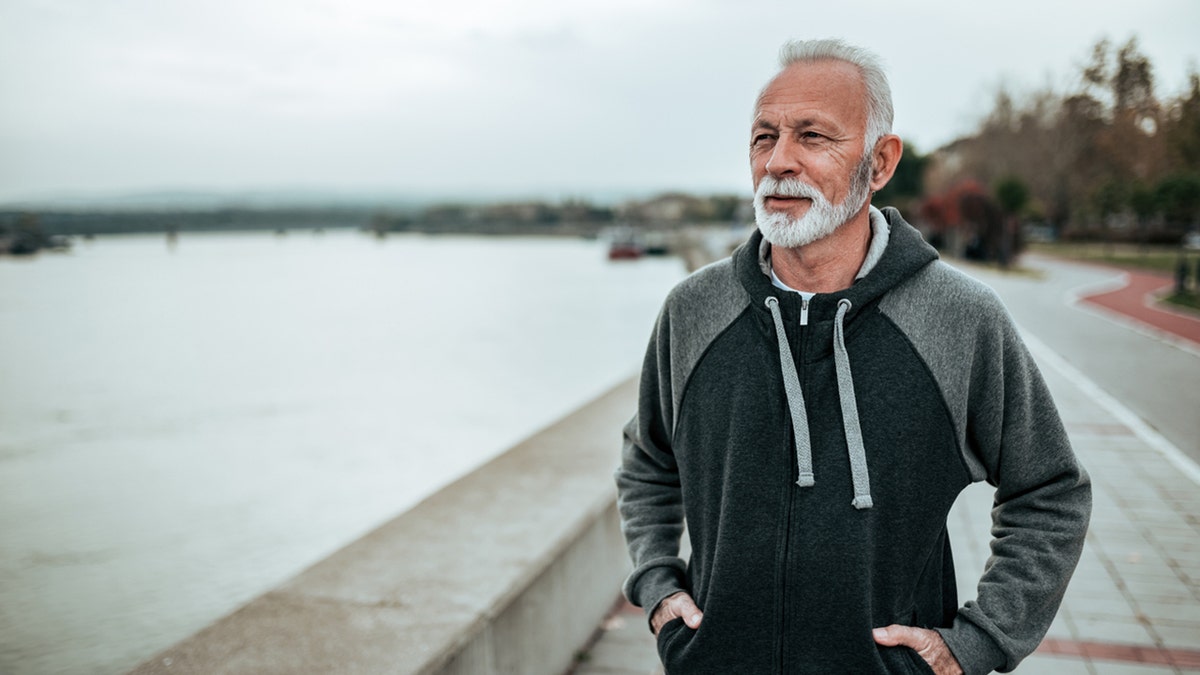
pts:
[783, 568]
[789, 478]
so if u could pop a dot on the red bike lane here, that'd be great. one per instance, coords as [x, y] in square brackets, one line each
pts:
[1136, 300]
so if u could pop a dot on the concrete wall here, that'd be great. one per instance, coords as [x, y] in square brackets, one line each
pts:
[507, 570]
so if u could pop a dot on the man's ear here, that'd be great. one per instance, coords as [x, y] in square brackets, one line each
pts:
[884, 159]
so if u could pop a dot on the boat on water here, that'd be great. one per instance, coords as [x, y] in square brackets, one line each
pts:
[624, 251]
[624, 243]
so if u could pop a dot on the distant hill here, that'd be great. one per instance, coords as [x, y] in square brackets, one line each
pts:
[193, 200]
[307, 198]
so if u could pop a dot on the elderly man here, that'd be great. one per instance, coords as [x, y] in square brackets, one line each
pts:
[813, 405]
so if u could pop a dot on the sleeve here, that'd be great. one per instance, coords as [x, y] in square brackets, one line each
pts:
[1041, 509]
[648, 489]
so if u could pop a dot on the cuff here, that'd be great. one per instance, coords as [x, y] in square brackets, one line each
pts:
[648, 588]
[975, 650]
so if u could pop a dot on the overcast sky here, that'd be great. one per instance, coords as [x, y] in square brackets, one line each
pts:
[485, 98]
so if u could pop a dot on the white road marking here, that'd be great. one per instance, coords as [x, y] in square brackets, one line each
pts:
[1124, 415]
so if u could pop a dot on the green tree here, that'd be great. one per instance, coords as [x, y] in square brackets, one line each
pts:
[909, 179]
[1111, 198]
[907, 184]
[1012, 194]
[1143, 201]
[1179, 197]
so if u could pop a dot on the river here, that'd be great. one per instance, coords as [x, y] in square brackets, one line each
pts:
[182, 427]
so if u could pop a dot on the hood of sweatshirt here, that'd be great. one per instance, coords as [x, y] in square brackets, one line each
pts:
[907, 253]
[827, 316]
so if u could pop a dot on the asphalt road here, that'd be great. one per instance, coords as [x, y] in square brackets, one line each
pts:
[1157, 380]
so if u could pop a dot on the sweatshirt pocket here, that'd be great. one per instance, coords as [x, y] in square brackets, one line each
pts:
[667, 637]
[919, 664]
[903, 660]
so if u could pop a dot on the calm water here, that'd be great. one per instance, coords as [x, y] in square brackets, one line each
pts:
[181, 430]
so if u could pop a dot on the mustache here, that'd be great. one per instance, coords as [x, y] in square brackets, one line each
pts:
[787, 187]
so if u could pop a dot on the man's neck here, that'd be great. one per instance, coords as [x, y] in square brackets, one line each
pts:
[829, 264]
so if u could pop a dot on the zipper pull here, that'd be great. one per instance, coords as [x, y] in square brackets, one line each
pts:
[804, 311]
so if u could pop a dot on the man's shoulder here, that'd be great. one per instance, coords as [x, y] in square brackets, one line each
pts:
[943, 291]
[697, 311]
[712, 286]
[945, 284]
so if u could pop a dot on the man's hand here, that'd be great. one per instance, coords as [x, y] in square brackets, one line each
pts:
[674, 606]
[927, 643]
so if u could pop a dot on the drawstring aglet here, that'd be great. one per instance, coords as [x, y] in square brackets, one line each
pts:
[806, 480]
[863, 502]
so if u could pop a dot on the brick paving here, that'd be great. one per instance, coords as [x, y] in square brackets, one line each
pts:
[1134, 603]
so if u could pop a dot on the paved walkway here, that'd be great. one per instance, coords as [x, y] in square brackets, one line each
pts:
[1134, 603]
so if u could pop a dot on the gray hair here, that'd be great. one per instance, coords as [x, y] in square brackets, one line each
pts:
[869, 65]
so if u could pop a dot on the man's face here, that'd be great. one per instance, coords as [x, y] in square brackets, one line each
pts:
[811, 172]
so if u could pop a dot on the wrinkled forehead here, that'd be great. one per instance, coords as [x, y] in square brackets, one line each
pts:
[836, 87]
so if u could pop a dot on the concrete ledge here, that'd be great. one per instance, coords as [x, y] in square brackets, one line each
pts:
[507, 570]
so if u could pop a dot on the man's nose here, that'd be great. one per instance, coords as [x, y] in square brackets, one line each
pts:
[785, 158]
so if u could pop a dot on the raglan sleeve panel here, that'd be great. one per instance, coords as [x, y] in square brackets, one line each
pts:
[1042, 502]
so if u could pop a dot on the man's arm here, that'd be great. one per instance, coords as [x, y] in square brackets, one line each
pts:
[1041, 510]
[649, 497]
[651, 507]
[648, 485]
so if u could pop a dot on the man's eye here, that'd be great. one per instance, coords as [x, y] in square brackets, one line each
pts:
[811, 134]
[761, 138]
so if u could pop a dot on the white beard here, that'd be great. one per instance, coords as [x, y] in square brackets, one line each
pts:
[822, 217]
